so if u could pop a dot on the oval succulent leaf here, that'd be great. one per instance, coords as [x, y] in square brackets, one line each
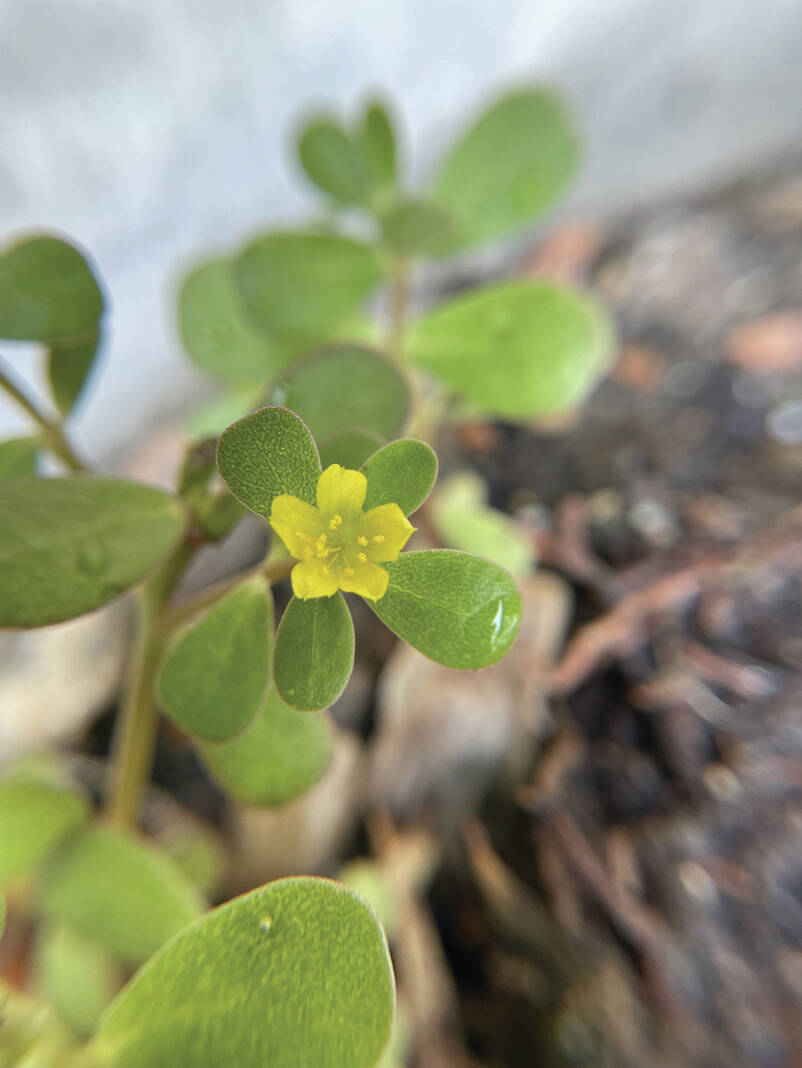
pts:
[402, 472]
[268, 453]
[213, 682]
[314, 652]
[460, 610]
[69, 545]
[516, 350]
[293, 975]
[34, 817]
[333, 161]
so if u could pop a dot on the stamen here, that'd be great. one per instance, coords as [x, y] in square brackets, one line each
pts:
[378, 538]
[349, 571]
[335, 521]
[362, 558]
[362, 540]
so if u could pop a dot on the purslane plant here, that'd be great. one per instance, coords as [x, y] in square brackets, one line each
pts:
[320, 456]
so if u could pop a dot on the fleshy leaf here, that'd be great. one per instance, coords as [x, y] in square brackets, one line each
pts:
[75, 976]
[47, 292]
[345, 387]
[279, 757]
[295, 974]
[377, 140]
[509, 167]
[267, 453]
[417, 227]
[34, 817]
[69, 545]
[460, 610]
[117, 890]
[216, 330]
[333, 161]
[300, 287]
[314, 652]
[213, 682]
[465, 520]
[18, 457]
[350, 448]
[68, 371]
[403, 471]
[516, 350]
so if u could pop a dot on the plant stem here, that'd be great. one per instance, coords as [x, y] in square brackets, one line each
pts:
[52, 432]
[135, 737]
[272, 571]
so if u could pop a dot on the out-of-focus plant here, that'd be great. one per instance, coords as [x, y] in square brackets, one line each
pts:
[295, 973]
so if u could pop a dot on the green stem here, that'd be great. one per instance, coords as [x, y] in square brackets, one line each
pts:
[52, 432]
[272, 571]
[135, 737]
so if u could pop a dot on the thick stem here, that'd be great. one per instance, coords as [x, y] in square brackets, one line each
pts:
[135, 737]
[52, 433]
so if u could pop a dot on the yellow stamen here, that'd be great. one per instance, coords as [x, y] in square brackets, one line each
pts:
[335, 521]
[362, 539]
[362, 558]
[378, 538]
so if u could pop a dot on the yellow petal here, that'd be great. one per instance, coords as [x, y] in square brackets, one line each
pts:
[309, 579]
[368, 580]
[296, 523]
[341, 491]
[386, 530]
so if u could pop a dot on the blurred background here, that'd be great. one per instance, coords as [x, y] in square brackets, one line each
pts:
[594, 848]
[151, 130]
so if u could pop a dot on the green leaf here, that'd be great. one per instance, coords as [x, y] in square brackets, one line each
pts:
[460, 610]
[75, 976]
[281, 755]
[403, 471]
[516, 350]
[293, 975]
[215, 328]
[377, 140]
[212, 417]
[47, 292]
[418, 228]
[509, 167]
[117, 890]
[68, 371]
[213, 682]
[345, 387]
[34, 817]
[3, 911]
[267, 453]
[19, 456]
[69, 545]
[333, 162]
[349, 448]
[302, 286]
[314, 652]
[465, 520]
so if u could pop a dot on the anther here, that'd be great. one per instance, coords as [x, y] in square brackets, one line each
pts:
[349, 571]
[378, 538]
[362, 558]
[362, 540]
[335, 521]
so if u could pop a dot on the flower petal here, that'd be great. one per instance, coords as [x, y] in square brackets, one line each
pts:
[341, 491]
[310, 579]
[386, 530]
[296, 523]
[368, 580]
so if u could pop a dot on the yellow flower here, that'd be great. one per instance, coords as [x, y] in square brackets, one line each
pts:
[337, 544]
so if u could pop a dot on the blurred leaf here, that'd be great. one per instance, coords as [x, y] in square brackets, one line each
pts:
[459, 610]
[465, 521]
[47, 292]
[211, 419]
[117, 890]
[3, 911]
[371, 882]
[516, 350]
[197, 851]
[19, 456]
[293, 975]
[509, 167]
[314, 652]
[34, 817]
[345, 387]
[349, 448]
[403, 471]
[213, 681]
[279, 757]
[418, 228]
[75, 976]
[333, 161]
[267, 453]
[68, 371]
[217, 516]
[216, 330]
[302, 286]
[70, 545]
[377, 141]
